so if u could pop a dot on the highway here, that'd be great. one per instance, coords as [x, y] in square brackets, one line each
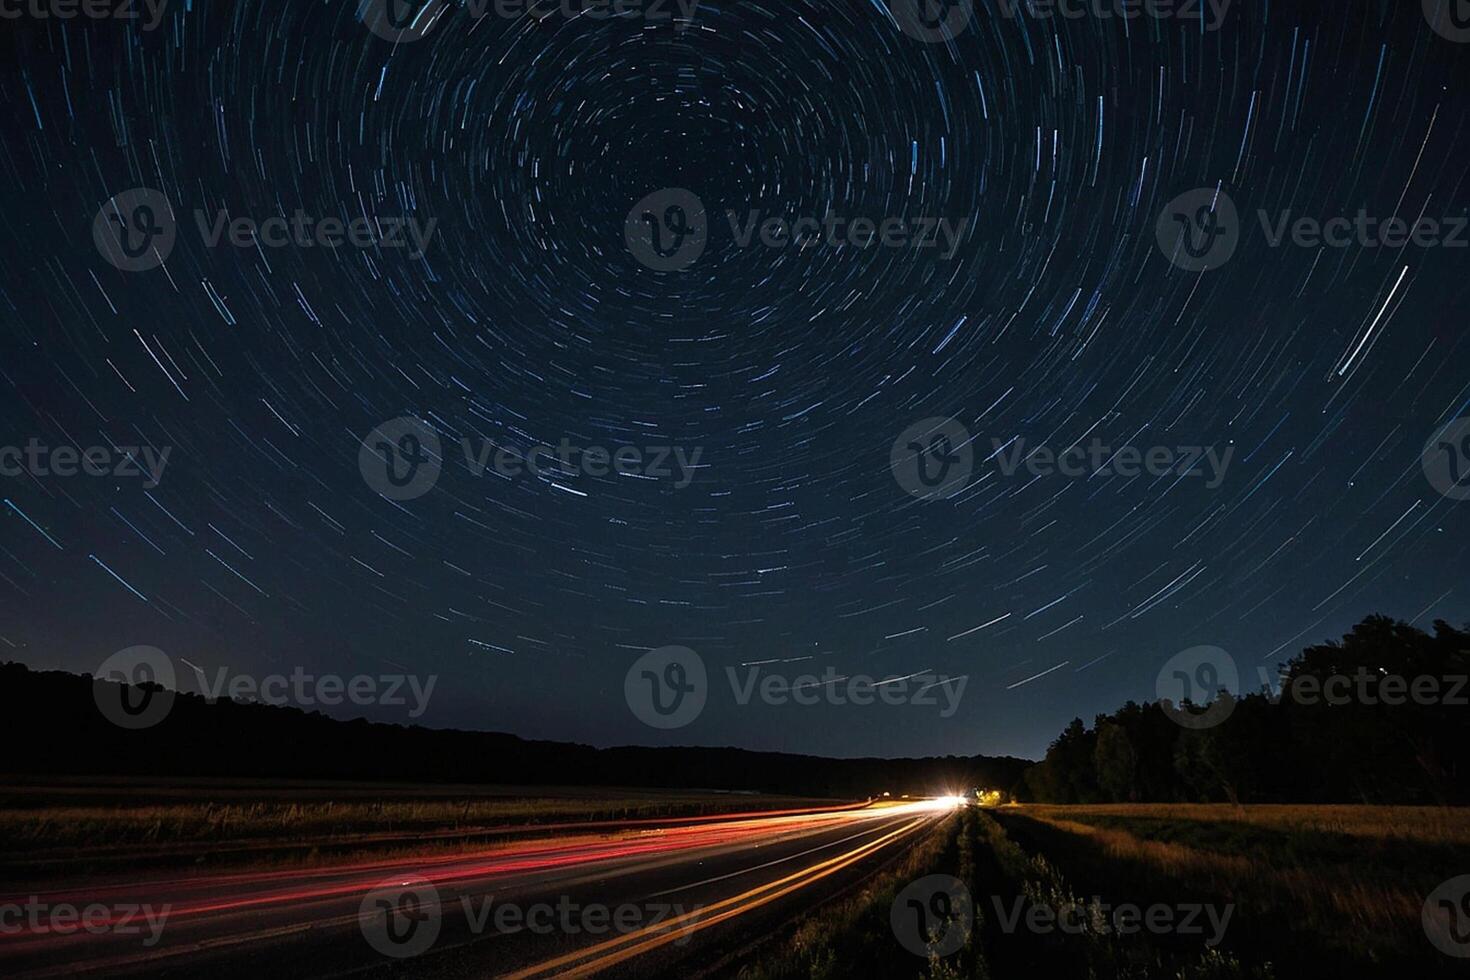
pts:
[679, 897]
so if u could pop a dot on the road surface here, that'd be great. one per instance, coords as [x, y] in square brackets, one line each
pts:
[679, 897]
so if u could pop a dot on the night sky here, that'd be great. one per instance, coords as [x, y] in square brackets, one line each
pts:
[528, 318]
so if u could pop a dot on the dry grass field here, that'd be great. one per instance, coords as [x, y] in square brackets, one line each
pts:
[1322, 884]
[1304, 892]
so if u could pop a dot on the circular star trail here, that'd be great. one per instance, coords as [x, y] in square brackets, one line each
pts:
[519, 144]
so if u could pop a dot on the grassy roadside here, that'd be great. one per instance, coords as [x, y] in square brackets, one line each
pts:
[856, 938]
[1318, 891]
[1096, 946]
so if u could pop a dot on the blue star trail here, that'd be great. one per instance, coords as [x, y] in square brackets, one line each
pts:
[440, 231]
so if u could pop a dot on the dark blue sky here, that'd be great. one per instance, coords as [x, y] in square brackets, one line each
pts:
[528, 319]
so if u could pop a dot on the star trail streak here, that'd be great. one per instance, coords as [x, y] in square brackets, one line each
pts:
[464, 183]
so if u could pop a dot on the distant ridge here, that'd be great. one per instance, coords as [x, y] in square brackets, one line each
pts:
[52, 720]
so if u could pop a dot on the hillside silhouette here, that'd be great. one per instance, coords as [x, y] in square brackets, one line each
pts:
[54, 722]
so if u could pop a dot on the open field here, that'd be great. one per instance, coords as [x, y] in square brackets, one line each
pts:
[1268, 891]
[1315, 887]
[1445, 825]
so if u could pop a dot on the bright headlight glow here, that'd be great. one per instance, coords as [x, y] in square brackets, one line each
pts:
[946, 802]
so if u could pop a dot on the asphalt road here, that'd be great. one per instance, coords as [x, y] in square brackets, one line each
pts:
[682, 898]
